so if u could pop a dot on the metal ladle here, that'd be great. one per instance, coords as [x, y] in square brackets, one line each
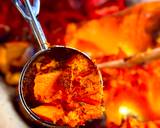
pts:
[59, 53]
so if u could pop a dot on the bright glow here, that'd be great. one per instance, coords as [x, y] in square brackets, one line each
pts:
[128, 110]
[123, 110]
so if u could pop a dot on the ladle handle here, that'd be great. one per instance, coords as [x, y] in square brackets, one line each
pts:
[30, 13]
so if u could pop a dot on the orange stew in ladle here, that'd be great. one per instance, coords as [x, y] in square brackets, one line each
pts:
[64, 87]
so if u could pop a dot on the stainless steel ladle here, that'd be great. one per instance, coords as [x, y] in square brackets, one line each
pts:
[30, 13]
[59, 53]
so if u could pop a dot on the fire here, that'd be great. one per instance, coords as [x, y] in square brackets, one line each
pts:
[131, 94]
[125, 111]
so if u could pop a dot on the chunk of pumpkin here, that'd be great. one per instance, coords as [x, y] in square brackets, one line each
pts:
[77, 116]
[45, 87]
[50, 113]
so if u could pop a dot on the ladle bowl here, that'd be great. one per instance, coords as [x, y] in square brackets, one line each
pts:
[60, 55]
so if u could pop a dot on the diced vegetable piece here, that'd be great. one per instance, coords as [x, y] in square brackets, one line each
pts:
[50, 113]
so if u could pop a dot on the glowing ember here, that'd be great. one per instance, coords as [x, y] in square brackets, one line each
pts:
[124, 111]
